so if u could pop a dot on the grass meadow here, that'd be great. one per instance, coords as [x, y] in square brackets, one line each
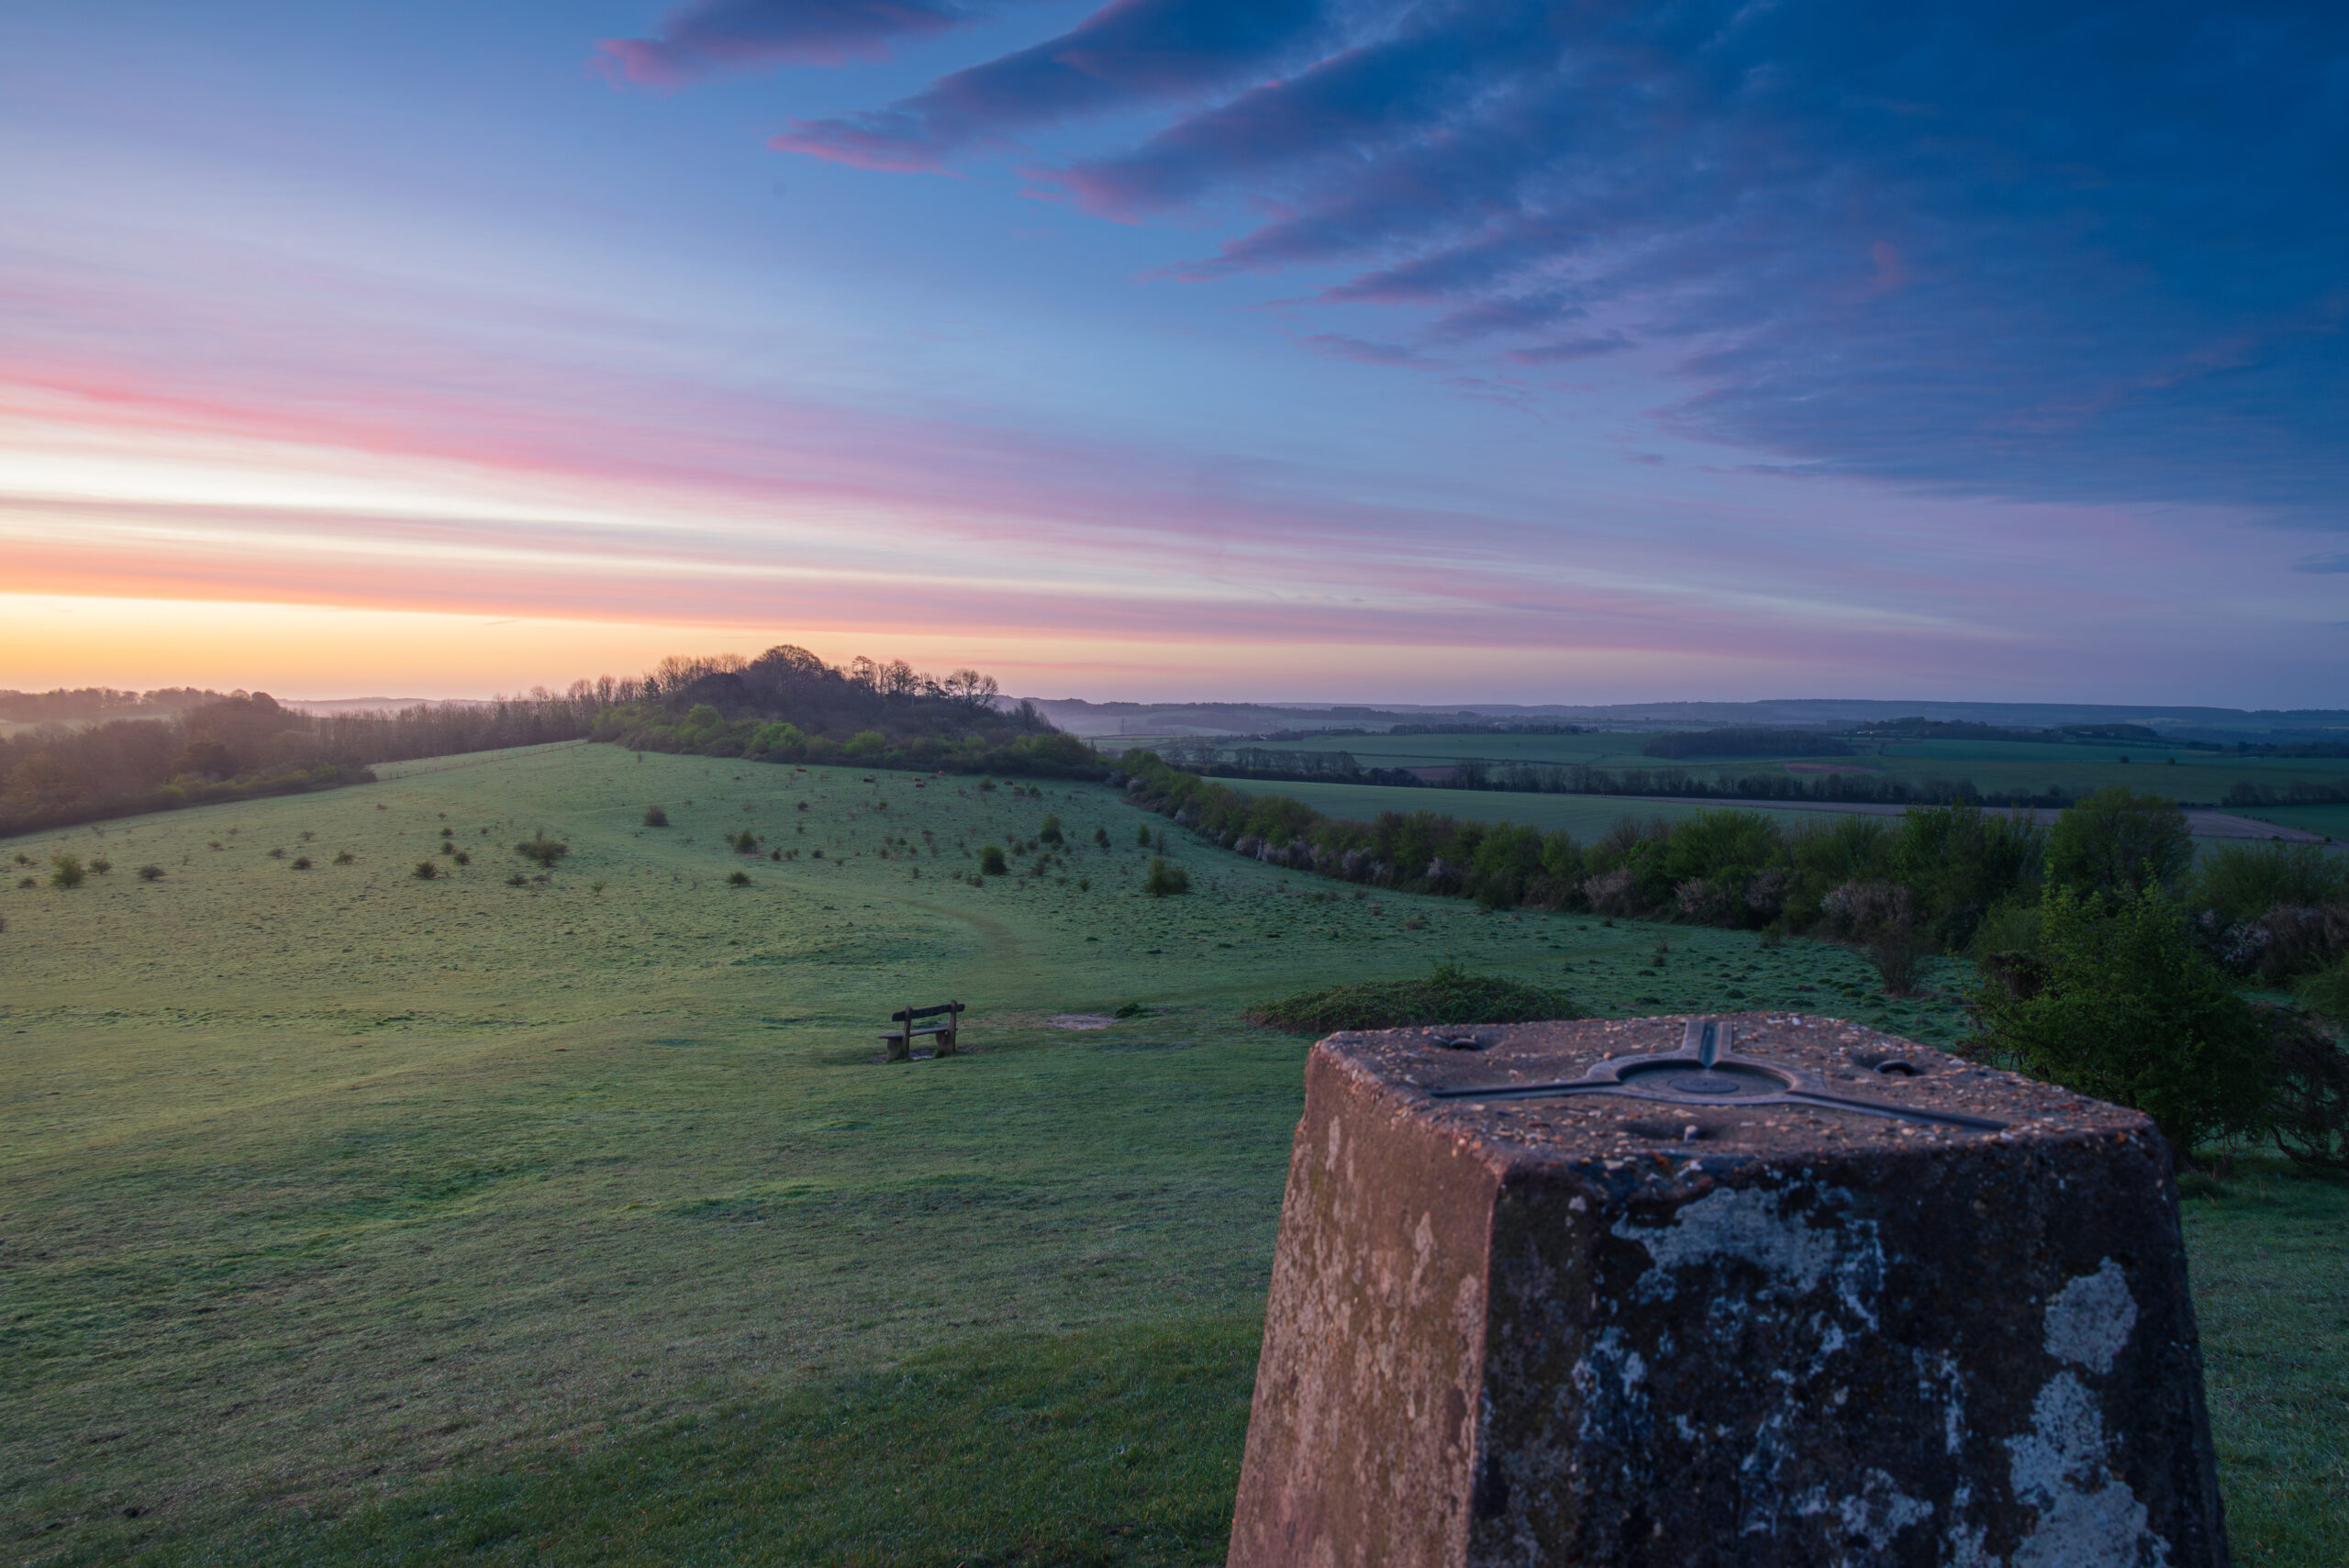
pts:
[348, 1215]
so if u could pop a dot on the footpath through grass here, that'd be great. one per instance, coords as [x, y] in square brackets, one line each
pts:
[347, 1215]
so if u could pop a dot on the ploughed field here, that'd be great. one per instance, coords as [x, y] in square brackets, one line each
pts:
[353, 1217]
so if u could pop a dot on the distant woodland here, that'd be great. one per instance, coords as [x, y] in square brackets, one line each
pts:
[97, 753]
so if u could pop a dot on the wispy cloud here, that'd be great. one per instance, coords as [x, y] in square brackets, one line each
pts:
[704, 35]
[1974, 246]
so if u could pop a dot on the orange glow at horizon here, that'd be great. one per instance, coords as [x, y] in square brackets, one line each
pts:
[318, 652]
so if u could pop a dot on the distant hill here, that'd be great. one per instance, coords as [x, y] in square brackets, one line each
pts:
[1098, 721]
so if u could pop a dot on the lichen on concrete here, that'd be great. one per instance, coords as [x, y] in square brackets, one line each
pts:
[1512, 1332]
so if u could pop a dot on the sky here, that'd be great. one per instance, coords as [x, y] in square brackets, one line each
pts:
[1272, 349]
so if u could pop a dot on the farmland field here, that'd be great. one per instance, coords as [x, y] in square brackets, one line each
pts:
[1994, 766]
[353, 1216]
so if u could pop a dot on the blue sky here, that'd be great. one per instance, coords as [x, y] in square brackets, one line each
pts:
[1170, 347]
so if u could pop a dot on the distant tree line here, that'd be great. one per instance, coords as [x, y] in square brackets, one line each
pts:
[244, 745]
[99, 702]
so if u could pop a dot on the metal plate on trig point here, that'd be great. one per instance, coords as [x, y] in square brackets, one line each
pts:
[1705, 1071]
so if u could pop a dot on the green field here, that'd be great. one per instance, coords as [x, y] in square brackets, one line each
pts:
[1995, 766]
[355, 1217]
[1587, 816]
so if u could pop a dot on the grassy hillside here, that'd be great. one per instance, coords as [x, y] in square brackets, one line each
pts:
[351, 1216]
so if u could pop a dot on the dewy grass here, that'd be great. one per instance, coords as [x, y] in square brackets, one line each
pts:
[332, 1202]
[1447, 995]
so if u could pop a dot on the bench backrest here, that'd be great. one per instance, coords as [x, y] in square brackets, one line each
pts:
[908, 1015]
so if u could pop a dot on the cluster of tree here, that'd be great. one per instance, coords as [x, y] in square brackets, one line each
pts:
[2298, 792]
[2107, 961]
[1966, 730]
[787, 705]
[2291, 749]
[99, 702]
[1739, 740]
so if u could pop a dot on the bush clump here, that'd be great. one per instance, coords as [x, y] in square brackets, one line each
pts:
[1446, 995]
[1164, 878]
[745, 843]
[2310, 1114]
[991, 861]
[738, 879]
[655, 816]
[1050, 833]
[425, 871]
[542, 849]
[2119, 1004]
[150, 874]
[66, 870]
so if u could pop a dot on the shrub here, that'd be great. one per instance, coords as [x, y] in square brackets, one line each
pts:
[1448, 995]
[991, 861]
[1101, 836]
[280, 854]
[346, 858]
[738, 879]
[302, 862]
[1165, 878]
[1141, 835]
[2310, 1116]
[655, 816]
[518, 880]
[150, 874]
[2123, 1006]
[28, 882]
[426, 871]
[2243, 881]
[65, 871]
[462, 858]
[745, 843]
[1050, 833]
[102, 865]
[2119, 842]
[542, 849]
[2326, 992]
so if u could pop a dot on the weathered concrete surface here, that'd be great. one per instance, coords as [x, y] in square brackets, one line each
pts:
[1600, 1330]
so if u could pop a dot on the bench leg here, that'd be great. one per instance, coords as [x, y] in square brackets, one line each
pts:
[946, 1043]
[901, 1047]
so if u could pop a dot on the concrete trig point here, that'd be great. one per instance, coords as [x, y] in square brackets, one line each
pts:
[1765, 1290]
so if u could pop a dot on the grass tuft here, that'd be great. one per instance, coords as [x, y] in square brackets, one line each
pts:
[1447, 995]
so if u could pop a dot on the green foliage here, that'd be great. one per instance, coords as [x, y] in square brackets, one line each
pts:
[542, 849]
[1448, 995]
[656, 816]
[2119, 842]
[2310, 1116]
[2242, 881]
[2122, 1007]
[425, 871]
[1164, 879]
[738, 879]
[2326, 992]
[1101, 836]
[101, 865]
[346, 858]
[65, 871]
[991, 861]
[150, 874]
[302, 862]
[1050, 833]
[1141, 835]
[744, 843]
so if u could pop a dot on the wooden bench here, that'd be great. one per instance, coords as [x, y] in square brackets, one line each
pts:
[900, 1042]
